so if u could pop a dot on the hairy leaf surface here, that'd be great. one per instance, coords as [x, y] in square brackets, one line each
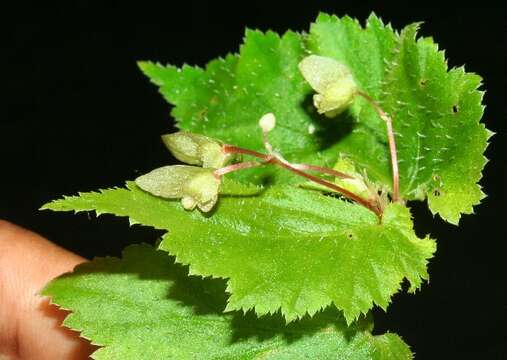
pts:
[144, 306]
[227, 99]
[288, 249]
[282, 248]
[436, 111]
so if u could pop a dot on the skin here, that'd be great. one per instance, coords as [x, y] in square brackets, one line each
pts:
[29, 324]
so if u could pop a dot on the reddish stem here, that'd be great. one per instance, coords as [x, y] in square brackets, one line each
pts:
[322, 170]
[238, 166]
[231, 149]
[392, 143]
[237, 150]
[366, 203]
[296, 169]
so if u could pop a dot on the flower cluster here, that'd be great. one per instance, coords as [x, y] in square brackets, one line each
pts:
[196, 186]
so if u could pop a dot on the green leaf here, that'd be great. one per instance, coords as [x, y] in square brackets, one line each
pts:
[233, 188]
[143, 306]
[227, 99]
[435, 112]
[441, 140]
[366, 52]
[288, 249]
[296, 251]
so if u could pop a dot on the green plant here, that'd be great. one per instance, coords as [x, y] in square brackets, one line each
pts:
[296, 225]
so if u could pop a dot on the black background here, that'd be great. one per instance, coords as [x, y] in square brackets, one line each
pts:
[80, 116]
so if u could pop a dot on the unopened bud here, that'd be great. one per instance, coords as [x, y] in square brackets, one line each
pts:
[356, 183]
[189, 203]
[196, 149]
[267, 122]
[332, 81]
[203, 188]
[195, 186]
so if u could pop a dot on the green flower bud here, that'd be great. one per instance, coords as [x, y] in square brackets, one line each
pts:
[195, 186]
[203, 189]
[332, 81]
[357, 184]
[196, 149]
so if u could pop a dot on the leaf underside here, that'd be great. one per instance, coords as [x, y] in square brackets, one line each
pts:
[144, 306]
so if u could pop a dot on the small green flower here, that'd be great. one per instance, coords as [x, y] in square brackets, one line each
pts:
[196, 149]
[332, 81]
[195, 186]
[357, 183]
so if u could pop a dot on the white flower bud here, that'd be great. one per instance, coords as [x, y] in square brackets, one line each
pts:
[267, 122]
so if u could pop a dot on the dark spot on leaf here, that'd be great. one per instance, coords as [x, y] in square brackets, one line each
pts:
[436, 192]
[350, 235]
[455, 109]
[423, 82]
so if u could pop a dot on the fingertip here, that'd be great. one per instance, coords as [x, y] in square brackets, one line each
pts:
[30, 327]
[70, 344]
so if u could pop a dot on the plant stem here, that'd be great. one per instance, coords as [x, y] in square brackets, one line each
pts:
[322, 170]
[366, 203]
[392, 143]
[231, 149]
[298, 170]
[234, 167]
